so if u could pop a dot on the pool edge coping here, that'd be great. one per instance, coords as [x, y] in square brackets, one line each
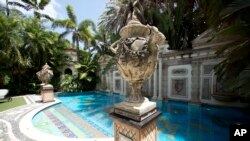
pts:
[26, 127]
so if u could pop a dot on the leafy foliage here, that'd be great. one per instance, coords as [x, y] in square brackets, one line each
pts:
[180, 21]
[234, 22]
[68, 83]
[86, 78]
[87, 69]
[81, 32]
[36, 5]
[25, 46]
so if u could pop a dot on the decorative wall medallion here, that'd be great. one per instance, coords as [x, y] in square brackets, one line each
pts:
[179, 82]
[179, 87]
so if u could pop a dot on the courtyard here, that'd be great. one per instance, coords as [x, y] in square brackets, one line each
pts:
[123, 70]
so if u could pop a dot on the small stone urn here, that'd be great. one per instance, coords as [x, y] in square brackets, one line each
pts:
[136, 59]
[47, 90]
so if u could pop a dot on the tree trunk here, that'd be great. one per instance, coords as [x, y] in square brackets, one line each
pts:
[7, 9]
[78, 50]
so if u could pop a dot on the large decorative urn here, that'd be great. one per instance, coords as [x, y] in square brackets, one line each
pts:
[136, 55]
[47, 90]
[136, 60]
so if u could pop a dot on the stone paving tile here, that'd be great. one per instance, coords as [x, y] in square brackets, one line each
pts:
[3, 132]
[13, 116]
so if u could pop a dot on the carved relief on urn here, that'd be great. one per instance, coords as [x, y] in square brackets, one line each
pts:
[136, 55]
[45, 74]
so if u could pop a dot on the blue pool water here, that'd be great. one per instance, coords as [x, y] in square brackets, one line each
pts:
[179, 121]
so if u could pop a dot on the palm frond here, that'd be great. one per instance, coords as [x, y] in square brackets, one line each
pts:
[66, 23]
[87, 23]
[64, 34]
[71, 14]
[18, 4]
[43, 3]
[233, 7]
[41, 15]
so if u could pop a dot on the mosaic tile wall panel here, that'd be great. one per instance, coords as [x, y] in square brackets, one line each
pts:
[179, 87]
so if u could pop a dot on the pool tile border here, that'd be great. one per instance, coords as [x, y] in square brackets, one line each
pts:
[27, 128]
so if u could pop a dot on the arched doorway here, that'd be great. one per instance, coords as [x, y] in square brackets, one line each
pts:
[68, 71]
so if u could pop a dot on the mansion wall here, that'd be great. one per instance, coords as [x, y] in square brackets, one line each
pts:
[180, 75]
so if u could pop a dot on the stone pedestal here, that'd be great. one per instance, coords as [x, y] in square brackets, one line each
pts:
[136, 111]
[47, 93]
[126, 129]
[135, 121]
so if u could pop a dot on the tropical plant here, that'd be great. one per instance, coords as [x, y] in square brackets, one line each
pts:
[87, 69]
[80, 32]
[25, 45]
[68, 83]
[176, 19]
[36, 5]
[102, 40]
[37, 42]
[116, 15]
[11, 59]
[234, 21]
[119, 12]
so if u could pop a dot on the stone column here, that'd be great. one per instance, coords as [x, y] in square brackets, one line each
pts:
[155, 85]
[160, 79]
[149, 86]
[111, 81]
[125, 87]
[107, 82]
[195, 95]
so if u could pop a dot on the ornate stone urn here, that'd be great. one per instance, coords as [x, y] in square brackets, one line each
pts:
[136, 59]
[136, 55]
[47, 90]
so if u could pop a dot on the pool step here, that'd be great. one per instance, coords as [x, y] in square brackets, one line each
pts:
[84, 126]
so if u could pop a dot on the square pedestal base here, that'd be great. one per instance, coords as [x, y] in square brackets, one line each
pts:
[128, 130]
[136, 111]
[47, 93]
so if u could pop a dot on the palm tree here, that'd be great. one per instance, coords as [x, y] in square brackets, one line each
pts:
[80, 32]
[11, 58]
[102, 40]
[115, 17]
[36, 5]
[10, 41]
[37, 42]
[234, 21]
[119, 12]
[176, 19]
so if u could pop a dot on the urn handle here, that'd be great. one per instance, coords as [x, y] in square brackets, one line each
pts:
[114, 47]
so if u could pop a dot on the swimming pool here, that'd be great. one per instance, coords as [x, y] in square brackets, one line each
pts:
[85, 115]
